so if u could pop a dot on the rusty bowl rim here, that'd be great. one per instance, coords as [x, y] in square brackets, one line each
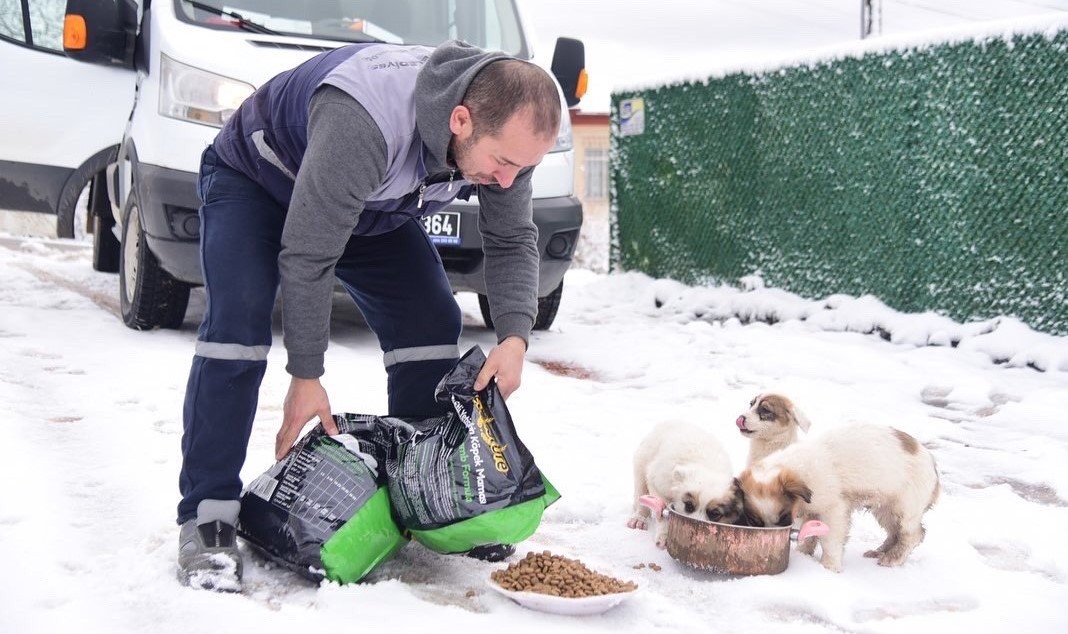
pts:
[695, 520]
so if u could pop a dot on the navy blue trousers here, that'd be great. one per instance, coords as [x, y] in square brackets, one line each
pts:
[396, 279]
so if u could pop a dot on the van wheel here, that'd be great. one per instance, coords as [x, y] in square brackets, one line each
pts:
[547, 307]
[149, 297]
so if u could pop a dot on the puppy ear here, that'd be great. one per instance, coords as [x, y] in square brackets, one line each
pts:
[794, 486]
[800, 418]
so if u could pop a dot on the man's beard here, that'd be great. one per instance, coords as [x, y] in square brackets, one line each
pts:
[461, 154]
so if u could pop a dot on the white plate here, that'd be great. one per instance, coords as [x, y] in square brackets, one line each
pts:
[562, 605]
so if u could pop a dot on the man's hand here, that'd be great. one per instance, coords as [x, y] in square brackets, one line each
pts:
[305, 400]
[505, 362]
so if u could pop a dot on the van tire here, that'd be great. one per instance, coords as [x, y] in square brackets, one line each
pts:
[547, 307]
[148, 296]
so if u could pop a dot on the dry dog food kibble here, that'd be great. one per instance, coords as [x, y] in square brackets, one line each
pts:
[546, 573]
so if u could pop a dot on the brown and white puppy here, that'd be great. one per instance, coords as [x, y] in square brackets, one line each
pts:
[770, 424]
[881, 469]
[685, 466]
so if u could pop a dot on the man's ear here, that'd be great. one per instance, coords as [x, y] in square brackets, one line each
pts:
[460, 122]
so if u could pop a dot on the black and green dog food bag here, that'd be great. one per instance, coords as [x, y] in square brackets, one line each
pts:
[465, 479]
[322, 510]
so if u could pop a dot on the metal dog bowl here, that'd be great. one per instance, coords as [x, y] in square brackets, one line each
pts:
[727, 548]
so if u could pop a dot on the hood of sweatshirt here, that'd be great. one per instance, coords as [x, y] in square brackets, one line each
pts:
[440, 87]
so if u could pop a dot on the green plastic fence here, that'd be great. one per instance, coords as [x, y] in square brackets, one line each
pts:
[935, 178]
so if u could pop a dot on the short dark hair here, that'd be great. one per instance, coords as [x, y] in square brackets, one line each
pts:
[506, 87]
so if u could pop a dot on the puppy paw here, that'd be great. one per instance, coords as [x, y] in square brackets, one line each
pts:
[637, 522]
[871, 554]
[807, 547]
[890, 562]
[661, 534]
[833, 566]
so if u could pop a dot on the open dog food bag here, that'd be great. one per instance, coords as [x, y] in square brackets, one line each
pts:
[465, 479]
[321, 510]
[338, 506]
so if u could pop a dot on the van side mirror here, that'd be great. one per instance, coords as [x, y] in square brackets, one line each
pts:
[569, 67]
[101, 31]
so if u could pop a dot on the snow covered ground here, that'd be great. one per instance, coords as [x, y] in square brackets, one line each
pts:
[92, 412]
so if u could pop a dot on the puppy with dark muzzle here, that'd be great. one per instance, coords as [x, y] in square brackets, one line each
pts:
[881, 469]
[687, 468]
[770, 424]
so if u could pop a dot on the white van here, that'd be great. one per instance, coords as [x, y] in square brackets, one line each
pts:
[60, 122]
[163, 77]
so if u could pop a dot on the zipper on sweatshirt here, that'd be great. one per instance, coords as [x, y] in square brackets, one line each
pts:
[432, 179]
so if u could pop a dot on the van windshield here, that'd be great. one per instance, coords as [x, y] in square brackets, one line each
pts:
[490, 24]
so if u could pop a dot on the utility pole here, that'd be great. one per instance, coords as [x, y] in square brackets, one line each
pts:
[871, 18]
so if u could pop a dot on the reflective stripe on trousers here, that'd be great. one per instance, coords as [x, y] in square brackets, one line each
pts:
[231, 351]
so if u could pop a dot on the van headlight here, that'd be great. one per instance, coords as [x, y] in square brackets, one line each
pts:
[563, 137]
[191, 94]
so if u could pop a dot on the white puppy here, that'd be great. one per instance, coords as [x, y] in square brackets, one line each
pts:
[881, 469]
[686, 467]
[770, 424]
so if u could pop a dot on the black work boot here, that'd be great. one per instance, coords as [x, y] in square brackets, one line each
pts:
[491, 552]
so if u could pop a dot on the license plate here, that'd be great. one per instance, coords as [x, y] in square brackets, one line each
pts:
[443, 227]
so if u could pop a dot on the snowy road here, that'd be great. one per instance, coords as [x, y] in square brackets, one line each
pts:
[90, 459]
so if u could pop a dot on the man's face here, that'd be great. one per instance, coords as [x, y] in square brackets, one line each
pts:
[496, 159]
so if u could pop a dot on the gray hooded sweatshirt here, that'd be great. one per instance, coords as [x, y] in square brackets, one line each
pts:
[355, 156]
